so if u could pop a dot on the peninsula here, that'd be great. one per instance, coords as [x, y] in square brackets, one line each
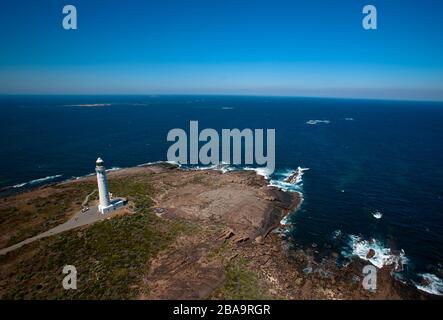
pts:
[184, 234]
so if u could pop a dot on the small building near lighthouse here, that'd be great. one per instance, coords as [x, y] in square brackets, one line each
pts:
[106, 204]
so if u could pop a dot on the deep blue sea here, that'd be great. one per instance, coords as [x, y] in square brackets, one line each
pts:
[375, 177]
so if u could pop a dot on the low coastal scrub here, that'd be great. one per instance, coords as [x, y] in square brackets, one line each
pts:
[110, 256]
[241, 283]
[36, 214]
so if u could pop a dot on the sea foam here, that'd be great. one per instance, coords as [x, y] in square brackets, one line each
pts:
[313, 122]
[89, 105]
[281, 179]
[382, 256]
[431, 284]
[377, 214]
[37, 181]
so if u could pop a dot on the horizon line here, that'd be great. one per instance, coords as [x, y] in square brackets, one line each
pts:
[225, 95]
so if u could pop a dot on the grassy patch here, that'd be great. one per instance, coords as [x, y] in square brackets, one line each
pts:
[110, 256]
[23, 219]
[241, 283]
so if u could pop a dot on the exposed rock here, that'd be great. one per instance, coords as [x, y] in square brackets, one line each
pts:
[240, 238]
[259, 240]
[371, 254]
[226, 234]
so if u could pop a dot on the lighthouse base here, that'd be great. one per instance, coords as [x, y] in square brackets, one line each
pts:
[115, 204]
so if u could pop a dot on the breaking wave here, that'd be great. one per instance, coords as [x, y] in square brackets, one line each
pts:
[289, 180]
[158, 162]
[430, 283]
[36, 181]
[20, 185]
[377, 214]
[375, 252]
[264, 172]
[89, 105]
[314, 122]
[222, 167]
[84, 176]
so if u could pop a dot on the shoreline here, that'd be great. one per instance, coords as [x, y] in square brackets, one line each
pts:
[241, 209]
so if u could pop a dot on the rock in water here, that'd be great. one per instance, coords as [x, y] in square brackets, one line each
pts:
[371, 254]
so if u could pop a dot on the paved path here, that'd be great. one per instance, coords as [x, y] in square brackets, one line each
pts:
[80, 219]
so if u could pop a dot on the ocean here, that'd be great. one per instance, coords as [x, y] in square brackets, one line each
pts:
[375, 177]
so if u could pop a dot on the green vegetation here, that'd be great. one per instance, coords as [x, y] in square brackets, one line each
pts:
[110, 256]
[136, 189]
[222, 251]
[35, 215]
[241, 283]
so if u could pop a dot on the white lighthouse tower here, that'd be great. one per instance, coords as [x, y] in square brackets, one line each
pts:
[106, 204]
[102, 183]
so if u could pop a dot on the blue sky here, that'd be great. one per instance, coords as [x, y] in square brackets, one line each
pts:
[272, 47]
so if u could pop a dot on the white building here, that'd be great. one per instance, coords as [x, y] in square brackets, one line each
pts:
[106, 203]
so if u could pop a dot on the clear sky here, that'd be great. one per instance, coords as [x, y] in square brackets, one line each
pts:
[269, 47]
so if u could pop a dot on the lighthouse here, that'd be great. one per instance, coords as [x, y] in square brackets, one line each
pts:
[106, 204]
[102, 185]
